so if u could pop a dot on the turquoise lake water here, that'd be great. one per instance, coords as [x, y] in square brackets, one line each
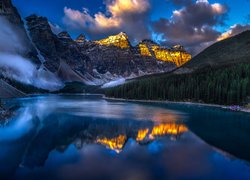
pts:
[88, 137]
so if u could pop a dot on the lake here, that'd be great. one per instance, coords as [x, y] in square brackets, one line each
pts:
[88, 137]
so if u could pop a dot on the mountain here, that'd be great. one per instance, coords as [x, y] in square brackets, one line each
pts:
[54, 48]
[21, 67]
[176, 54]
[8, 91]
[229, 51]
[98, 62]
[10, 19]
[92, 63]
[218, 75]
[9, 12]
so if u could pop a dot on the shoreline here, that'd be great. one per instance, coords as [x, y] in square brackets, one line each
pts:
[246, 110]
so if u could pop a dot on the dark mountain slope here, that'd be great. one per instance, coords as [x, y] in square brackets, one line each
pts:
[8, 91]
[229, 51]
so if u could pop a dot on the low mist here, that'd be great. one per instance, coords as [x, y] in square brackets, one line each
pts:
[16, 67]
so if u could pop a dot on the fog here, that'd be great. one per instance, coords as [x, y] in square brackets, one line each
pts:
[10, 40]
[16, 67]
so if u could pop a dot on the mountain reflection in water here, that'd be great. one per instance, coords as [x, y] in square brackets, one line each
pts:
[75, 136]
[163, 129]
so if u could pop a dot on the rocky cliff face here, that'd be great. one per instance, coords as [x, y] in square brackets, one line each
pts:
[176, 54]
[56, 48]
[91, 62]
[9, 12]
[115, 55]
[100, 61]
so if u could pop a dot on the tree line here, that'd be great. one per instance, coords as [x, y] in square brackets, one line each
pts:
[228, 85]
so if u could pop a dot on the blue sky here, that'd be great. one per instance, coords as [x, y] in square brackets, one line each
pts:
[148, 18]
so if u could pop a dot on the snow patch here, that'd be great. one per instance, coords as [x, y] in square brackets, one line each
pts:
[114, 83]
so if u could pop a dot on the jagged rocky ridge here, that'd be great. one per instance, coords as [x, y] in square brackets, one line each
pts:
[90, 62]
[98, 62]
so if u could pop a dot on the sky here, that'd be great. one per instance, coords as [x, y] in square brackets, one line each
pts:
[195, 24]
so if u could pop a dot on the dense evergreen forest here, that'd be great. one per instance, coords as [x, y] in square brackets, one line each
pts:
[227, 85]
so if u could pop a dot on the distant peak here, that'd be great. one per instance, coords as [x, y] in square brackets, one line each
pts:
[123, 34]
[64, 35]
[81, 38]
[178, 48]
[148, 42]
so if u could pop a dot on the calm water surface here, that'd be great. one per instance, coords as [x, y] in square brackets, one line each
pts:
[87, 137]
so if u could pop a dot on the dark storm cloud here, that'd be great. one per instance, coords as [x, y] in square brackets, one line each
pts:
[193, 25]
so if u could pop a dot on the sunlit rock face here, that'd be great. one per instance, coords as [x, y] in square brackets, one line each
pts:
[176, 54]
[178, 57]
[120, 40]
[144, 50]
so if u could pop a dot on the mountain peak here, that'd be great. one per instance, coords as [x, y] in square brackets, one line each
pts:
[148, 42]
[178, 48]
[64, 35]
[37, 22]
[120, 40]
[80, 39]
[122, 34]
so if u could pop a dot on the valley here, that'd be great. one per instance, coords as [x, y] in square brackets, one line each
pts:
[124, 89]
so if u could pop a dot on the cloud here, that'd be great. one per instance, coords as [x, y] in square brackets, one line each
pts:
[120, 15]
[234, 30]
[14, 66]
[193, 25]
[11, 38]
[56, 29]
